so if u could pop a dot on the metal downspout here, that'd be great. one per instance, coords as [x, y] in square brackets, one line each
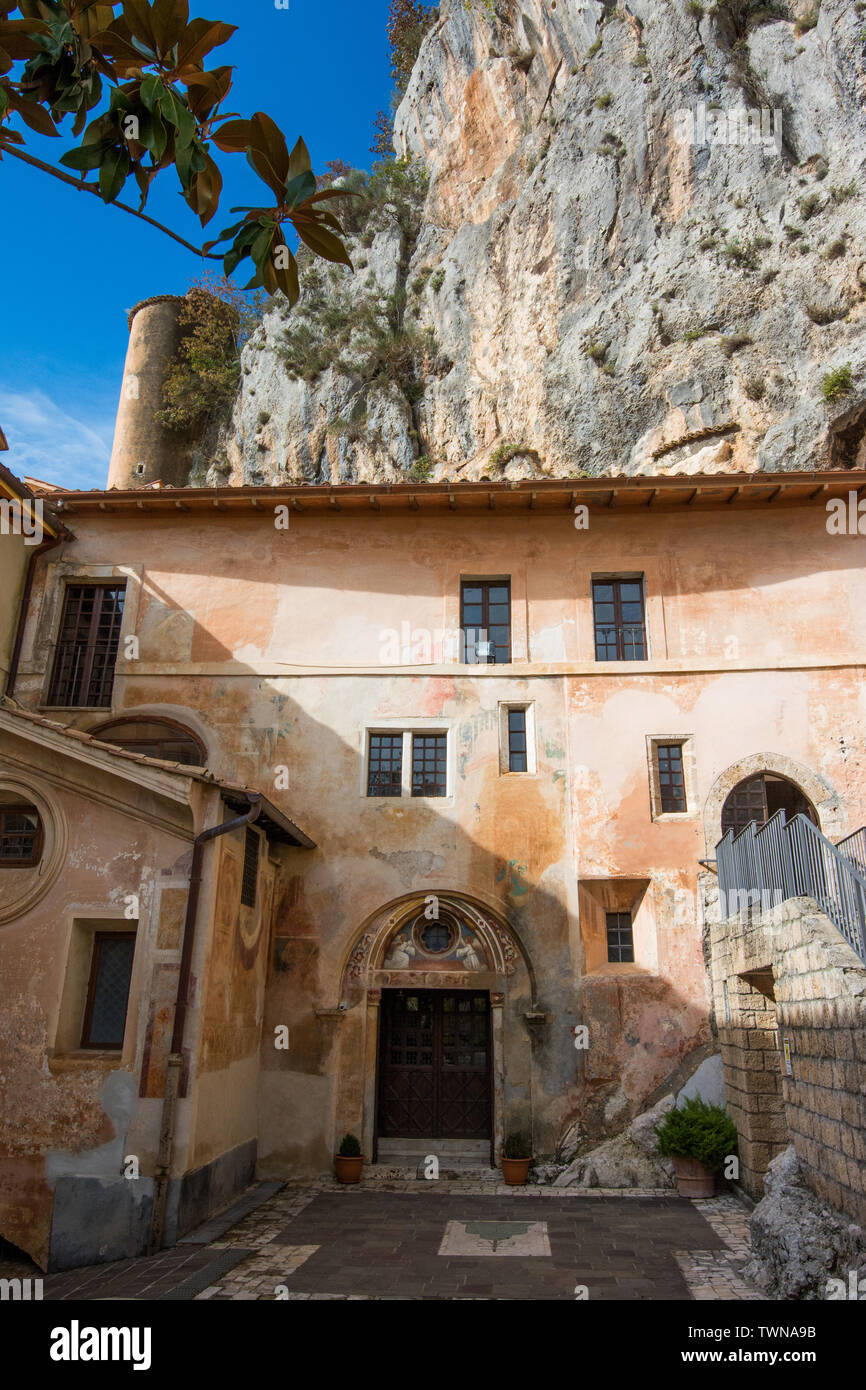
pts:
[175, 1059]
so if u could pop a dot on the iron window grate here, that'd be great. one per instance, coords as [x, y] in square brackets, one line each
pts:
[385, 765]
[83, 673]
[620, 937]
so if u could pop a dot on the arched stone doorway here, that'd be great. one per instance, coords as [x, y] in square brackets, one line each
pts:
[461, 971]
[819, 794]
[759, 798]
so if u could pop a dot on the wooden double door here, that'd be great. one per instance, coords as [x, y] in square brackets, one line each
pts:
[435, 1064]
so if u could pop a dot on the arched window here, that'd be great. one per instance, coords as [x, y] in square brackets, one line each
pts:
[20, 834]
[156, 738]
[759, 798]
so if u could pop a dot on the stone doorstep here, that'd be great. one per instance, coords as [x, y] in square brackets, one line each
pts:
[450, 1170]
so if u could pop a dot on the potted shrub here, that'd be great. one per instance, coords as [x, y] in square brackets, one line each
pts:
[698, 1137]
[349, 1160]
[516, 1158]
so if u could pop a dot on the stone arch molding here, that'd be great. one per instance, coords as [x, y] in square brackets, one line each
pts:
[367, 964]
[23, 888]
[819, 790]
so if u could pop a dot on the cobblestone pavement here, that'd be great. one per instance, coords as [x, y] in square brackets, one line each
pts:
[465, 1239]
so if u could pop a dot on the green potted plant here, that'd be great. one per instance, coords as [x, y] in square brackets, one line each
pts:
[348, 1160]
[516, 1158]
[698, 1137]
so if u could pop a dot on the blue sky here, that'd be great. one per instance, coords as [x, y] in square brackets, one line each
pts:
[72, 267]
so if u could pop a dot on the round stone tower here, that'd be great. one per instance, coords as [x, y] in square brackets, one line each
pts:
[143, 450]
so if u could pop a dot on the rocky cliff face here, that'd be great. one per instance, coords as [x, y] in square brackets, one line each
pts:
[638, 247]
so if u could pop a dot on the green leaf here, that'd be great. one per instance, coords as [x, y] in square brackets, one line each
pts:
[299, 189]
[113, 174]
[323, 242]
[299, 159]
[183, 120]
[84, 157]
[153, 134]
[151, 88]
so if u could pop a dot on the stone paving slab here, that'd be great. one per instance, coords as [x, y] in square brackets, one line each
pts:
[326, 1241]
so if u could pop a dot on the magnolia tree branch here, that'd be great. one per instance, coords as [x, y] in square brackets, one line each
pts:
[83, 187]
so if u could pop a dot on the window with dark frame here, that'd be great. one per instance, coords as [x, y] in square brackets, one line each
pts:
[83, 673]
[108, 989]
[619, 618]
[250, 879]
[385, 765]
[20, 836]
[517, 741]
[429, 765]
[156, 738]
[672, 785]
[620, 938]
[485, 620]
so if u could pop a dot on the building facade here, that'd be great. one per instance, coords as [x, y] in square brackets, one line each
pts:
[513, 721]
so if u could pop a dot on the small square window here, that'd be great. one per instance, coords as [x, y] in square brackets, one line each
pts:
[108, 991]
[620, 938]
[429, 765]
[20, 836]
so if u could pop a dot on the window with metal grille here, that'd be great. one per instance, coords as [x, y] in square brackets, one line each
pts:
[83, 671]
[108, 990]
[618, 614]
[672, 786]
[485, 620]
[429, 765]
[20, 836]
[249, 882]
[517, 740]
[385, 765]
[620, 938]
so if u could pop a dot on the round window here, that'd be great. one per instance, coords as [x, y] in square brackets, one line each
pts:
[436, 938]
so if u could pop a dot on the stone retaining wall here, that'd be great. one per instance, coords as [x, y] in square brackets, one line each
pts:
[787, 977]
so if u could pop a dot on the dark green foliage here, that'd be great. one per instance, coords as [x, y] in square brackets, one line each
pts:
[518, 1144]
[837, 383]
[697, 1130]
[349, 1147]
[201, 380]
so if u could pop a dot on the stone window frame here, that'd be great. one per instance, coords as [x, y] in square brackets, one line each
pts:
[58, 576]
[690, 777]
[408, 727]
[84, 925]
[528, 706]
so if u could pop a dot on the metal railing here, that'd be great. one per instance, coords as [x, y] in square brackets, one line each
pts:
[758, 869]
[854, 848]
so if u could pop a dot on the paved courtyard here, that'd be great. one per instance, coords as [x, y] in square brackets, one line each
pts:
[451, 1240]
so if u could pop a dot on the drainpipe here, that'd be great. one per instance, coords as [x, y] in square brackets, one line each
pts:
[175, 1059]
[24, 605]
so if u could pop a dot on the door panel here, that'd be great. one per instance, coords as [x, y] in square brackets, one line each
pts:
[435, 1064]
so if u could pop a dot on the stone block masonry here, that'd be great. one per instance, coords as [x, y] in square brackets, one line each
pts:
[790, 1001]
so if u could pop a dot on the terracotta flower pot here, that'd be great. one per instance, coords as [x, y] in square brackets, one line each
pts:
[693, 1178]
[348, 1169]
[515, 1170]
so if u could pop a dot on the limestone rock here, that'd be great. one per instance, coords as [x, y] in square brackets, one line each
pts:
[627, 1160]
[600, 288]
[798, 1242]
